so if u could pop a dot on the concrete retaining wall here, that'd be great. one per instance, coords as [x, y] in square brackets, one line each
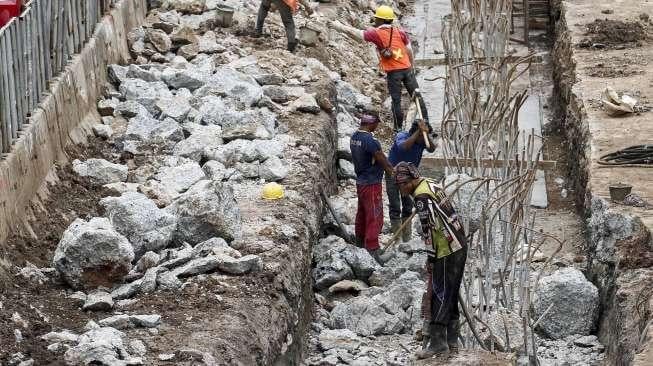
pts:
[63, 117]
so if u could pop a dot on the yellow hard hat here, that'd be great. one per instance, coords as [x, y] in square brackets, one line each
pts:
[272, 191]
[385, 12]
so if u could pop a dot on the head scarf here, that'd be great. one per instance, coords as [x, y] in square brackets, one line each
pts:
[368, 119]
[405, 172]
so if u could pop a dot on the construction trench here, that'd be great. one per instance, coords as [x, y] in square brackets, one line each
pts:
[149, 243]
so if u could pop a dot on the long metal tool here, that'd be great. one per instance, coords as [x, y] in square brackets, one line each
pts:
[348, 238]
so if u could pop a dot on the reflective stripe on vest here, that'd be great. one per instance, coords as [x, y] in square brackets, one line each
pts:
[399, 59]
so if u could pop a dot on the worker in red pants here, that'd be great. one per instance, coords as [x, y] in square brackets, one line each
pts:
[369, 164]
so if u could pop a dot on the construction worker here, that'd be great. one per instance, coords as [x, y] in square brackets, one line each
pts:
[409, 147]
[446, 243]
[286, 9]
[369, 165]
[395, 58]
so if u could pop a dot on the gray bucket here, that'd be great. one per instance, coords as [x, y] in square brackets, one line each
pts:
[224, 16]
[308, 36]
[619, 191]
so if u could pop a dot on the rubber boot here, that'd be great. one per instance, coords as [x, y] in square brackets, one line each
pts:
[359, 242]
[426, 333]
[453, 331]
[438, 344]
[407, 233]
[394, 225]
[292, 46]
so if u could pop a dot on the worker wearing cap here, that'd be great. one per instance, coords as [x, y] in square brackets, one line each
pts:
[444, 237]
[395, 58]
[369, 165]
[407, 146]
[286, 9]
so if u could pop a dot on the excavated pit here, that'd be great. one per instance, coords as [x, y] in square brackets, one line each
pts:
[619, 249]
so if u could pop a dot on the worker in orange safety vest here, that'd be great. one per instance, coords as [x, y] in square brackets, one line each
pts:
[395, 58]
[286, 9]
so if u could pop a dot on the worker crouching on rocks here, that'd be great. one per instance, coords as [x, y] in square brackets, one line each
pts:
[444, 237]
[369, 165]
[286, 9]
[409, 147]
[395, 58]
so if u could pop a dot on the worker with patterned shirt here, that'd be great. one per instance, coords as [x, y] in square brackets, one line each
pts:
[445, 240]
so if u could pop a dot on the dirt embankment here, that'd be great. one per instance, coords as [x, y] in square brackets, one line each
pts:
[619, 249]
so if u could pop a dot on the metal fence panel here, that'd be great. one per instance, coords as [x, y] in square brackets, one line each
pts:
[34, 48]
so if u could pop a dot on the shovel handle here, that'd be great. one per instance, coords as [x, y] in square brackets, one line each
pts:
[394, 238]
[427, 143]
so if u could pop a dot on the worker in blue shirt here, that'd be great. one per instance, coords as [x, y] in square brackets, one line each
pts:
[369, 164]
[409, 147]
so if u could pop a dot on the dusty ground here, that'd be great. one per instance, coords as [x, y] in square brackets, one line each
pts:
[608, 133]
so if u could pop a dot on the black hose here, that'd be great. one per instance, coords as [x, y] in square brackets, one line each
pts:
[638, 154]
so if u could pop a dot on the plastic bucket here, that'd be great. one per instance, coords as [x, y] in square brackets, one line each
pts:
[308, 36]
[619, 191]
[224, 16]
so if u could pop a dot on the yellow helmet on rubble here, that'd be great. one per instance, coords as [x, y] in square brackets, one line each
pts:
[272, 191]
[385, 12]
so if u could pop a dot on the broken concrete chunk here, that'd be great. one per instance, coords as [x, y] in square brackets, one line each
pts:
[124, 321]
[348, 285]
[305, 103]
[207, 210]
[102, 345]
[246, 264]
[65, 336]
[340, 339]
[127, 290]
[168, 281]
[273, 169]
[176, 108]
[197, 266]
[145, 93]
[137, 72]
[135, 216]
[92, 253]
[202, 138]
[214, 170]
[147, 261]
[98, 301]
[106, 106]
[208, 43]
[102, 131]
[180, 178]
[190, 79]
[159, 39]
[100, 171]
[150, 130]
[188, 51]
[121, 187]
[214, 246]
[184, 6]
[575, 301]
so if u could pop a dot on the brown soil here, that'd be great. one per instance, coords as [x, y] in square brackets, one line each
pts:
[68, 199]
[72, 197]
[635, 252]
[614, 34]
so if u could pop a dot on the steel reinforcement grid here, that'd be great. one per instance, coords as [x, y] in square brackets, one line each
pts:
[34, 48]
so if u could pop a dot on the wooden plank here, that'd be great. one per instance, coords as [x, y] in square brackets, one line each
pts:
[429, 162]
[19, 73]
